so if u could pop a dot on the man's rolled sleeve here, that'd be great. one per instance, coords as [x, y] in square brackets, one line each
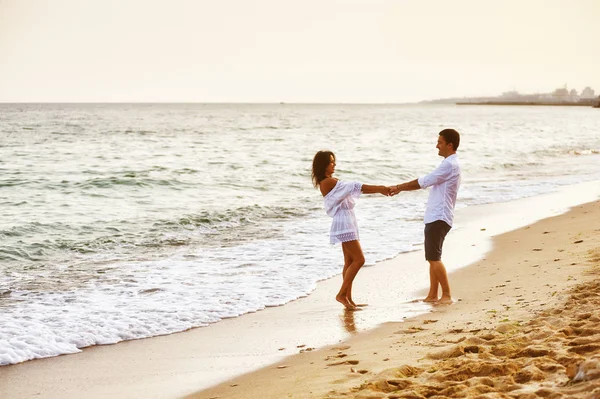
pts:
[440, 175]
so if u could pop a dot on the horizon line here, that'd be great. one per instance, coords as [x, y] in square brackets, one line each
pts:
[215, 102]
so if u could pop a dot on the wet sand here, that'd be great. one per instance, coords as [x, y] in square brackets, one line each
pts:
[526, 326]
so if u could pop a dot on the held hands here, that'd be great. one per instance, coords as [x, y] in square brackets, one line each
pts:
[393, 190]
[390, 191]
[385, 191]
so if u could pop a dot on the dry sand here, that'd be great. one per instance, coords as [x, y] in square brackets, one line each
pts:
[527, 325]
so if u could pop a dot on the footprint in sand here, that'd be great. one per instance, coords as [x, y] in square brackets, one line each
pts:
[363, 371]
[350, 362]
[341, 348]
[411, 330]
[338, 356]
[455, 351]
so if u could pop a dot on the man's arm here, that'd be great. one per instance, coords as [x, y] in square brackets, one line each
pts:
[368, 189]
[408, 186]
[441, 174]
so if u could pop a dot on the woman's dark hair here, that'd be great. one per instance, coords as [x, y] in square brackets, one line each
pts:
[320, 162]
[451, 136]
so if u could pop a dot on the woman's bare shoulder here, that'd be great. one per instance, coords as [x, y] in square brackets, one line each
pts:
[327, 185]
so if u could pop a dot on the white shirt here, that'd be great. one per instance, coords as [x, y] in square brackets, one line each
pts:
[442, 198]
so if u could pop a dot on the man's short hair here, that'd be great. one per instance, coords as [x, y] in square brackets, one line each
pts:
[451, 136]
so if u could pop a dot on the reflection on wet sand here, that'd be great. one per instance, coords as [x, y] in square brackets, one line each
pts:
[348, 320]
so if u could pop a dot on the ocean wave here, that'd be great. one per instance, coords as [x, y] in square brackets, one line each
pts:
[30, 228]
[10, 253]
[244, 214]
[125, 238]
[561, 151]
[264, 127]
[139, 179]
[511, 166]
[584, 151]
[128, 179]
[140, 132]
[14, 182]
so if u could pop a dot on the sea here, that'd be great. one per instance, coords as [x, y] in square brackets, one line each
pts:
[128, 221]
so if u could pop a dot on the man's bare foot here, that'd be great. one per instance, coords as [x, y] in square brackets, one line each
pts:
[344, 301]
[428, 299]
[444, 300]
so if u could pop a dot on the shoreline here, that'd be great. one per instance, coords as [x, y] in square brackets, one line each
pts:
[178, 364]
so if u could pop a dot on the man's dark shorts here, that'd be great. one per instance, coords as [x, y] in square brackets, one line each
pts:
[435, 232]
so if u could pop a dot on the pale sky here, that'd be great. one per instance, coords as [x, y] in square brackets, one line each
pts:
[293, 51]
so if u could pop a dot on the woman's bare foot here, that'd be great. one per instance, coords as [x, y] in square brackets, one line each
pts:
[356, 305]
[344, 301]
[428, 299]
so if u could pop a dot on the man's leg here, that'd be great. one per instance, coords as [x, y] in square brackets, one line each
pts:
[432, 296]
[435, 233]
[437, 268]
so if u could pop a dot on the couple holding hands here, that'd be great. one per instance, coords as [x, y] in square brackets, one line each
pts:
[339, 199]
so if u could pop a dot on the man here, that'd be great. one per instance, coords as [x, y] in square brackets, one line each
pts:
[439, 214]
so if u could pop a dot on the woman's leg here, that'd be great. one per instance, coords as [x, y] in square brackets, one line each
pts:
[347, 262]
[355, 254]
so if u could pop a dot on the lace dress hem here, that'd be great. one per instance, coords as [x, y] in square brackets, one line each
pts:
[345, 237]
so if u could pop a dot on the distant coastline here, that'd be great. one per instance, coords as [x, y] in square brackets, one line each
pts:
[495, 101]
[561, 97]
[590, 103]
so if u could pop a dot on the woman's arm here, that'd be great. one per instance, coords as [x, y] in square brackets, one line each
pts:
[368, 189]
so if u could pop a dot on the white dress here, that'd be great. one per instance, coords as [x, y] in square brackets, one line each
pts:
[339, 204]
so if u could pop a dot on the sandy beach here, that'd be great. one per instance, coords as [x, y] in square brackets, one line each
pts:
[524, 325]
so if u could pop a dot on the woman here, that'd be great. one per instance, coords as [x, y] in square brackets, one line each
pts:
[339, 204]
